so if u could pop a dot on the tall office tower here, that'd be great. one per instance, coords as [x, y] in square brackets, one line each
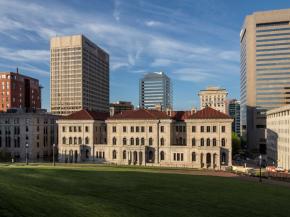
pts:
[233, 110]
[79, 77]
[213, 97]
[19, 91]
[155, 90]
[265, 71]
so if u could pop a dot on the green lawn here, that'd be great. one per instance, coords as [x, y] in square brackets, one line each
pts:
[108, 191]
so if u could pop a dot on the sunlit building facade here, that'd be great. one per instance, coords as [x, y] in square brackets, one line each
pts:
[264, 71]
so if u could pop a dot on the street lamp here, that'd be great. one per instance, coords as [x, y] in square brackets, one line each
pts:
[260, 162]
[26, 153]
[53, 157]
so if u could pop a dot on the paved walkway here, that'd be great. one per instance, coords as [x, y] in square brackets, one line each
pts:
[226, 174]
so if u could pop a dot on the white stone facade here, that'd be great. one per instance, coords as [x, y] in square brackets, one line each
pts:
[195, 143]
[278, 137]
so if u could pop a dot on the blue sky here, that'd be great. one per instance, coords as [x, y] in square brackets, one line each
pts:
[196, 42]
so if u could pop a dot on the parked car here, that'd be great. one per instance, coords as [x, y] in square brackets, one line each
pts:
[271, 169]
[280, 169]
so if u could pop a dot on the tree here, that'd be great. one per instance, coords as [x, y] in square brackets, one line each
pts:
[236, 143]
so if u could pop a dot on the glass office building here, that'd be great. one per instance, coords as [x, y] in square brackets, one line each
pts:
[155, 91]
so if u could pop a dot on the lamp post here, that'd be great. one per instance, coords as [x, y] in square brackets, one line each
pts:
[26, 153]
[53, 155]
[260, 162]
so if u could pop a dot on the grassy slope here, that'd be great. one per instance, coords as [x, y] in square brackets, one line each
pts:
[105, 191]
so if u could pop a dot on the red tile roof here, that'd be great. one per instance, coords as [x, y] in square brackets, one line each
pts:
[180, 115]
[142, 114]
[86, 115]
[209, 113]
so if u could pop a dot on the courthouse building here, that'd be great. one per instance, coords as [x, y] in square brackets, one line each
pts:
[148, 137]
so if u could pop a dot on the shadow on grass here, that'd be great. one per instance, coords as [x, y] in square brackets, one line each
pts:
[108, 191]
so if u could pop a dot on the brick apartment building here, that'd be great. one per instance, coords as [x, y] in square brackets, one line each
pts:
[19, 91]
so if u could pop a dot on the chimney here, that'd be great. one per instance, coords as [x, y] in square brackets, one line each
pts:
[193, 110]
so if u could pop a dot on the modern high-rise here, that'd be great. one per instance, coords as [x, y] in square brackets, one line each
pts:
[233, 110]
[79, 76]
[19, 91]
[155, 90]
[264, 71]
[213, 97]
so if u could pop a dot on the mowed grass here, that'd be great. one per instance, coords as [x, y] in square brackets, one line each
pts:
[107, 191]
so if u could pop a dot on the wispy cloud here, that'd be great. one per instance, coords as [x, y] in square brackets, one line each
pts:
[24, 55]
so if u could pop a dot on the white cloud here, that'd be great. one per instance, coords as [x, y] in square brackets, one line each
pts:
[152, 23]
[129, 46]
[116, 12]
[193, 74]
[24, 55]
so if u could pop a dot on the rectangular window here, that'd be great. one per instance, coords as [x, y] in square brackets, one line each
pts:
[124, 129]
[142, 129]
[184, 129]
[137, 129]
[208, 129]
[162, 129]
[132, 129]
[202, 129]
[193, 129]
[150, 129]
[174, 156]
[87, 129]
[63, 129]
[223, 129]
[181, 156]
[178, 157]
[176, 128]
[114, 129]
[214, 129]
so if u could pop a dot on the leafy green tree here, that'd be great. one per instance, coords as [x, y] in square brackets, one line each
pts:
[236, 143]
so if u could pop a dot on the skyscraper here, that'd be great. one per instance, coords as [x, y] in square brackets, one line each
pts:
[213, 97]
[155, 90]
[265, 71]
[233, 111]
[79, 75]
[19, 91]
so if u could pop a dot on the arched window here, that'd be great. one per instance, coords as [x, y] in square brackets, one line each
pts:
[97, 154]
[114, 154]
[87, 140]
[142, 141]
[132, 141]
[137, 141]
[150, 141]
[193, 142]
[208, 142]
[193, 156]
[202, 142]
[70, 140]
[114, 140]
[162, 141]
[162, 157]
[63, 140]
[124, 141]
[124, 155]
[223, 142]
[75, 140]
[214, 142]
